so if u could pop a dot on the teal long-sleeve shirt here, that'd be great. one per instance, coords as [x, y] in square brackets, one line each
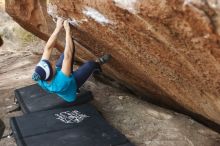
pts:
[62, 85]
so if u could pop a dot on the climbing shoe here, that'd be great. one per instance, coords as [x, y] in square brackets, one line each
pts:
[104, 59]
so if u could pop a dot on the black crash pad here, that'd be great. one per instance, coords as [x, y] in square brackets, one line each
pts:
[2, 128]
[74, 126]
[33, 98]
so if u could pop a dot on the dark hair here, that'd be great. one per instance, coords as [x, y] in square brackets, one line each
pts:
[1, 41]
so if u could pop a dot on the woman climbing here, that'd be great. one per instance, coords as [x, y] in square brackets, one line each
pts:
[61, 79]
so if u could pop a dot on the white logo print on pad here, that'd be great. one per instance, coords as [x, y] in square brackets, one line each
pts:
[69, 117]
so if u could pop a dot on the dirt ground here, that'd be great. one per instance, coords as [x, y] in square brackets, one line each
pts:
[143, 124]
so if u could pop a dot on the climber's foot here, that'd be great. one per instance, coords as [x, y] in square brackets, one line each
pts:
[104, 59]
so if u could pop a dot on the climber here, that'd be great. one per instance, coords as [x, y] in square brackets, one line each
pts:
[60, 78]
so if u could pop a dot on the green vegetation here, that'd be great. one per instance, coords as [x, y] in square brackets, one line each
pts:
[24, 36]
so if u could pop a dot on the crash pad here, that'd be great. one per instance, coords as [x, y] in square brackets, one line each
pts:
[2, 128]
[33, 98]
[74, 126]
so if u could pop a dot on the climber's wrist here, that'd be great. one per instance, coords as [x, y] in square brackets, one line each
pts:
[57, 30]
[68, 31]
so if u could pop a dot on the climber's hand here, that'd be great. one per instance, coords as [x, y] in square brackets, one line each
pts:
[59, 23]
[66, 25]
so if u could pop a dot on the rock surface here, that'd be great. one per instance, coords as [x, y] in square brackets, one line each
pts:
[167, 50]
[142, 123]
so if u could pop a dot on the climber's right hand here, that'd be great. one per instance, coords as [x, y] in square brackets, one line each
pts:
[66, 25]
[59, 24]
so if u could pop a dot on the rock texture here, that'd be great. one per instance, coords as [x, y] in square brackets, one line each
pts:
[168, 50]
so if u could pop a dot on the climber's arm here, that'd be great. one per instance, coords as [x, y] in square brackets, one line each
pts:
[68, 52]
[52, 40]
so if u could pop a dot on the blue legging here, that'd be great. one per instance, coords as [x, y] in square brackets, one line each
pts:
[83, 72]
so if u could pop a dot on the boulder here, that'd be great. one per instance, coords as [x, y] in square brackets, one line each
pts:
[168, 51]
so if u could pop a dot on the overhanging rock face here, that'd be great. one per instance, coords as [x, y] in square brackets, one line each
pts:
[168, 50]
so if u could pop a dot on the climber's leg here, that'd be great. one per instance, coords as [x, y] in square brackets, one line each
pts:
[85, 71]
[59, 62]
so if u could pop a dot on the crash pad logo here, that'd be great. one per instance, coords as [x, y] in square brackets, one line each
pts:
[69, 117]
